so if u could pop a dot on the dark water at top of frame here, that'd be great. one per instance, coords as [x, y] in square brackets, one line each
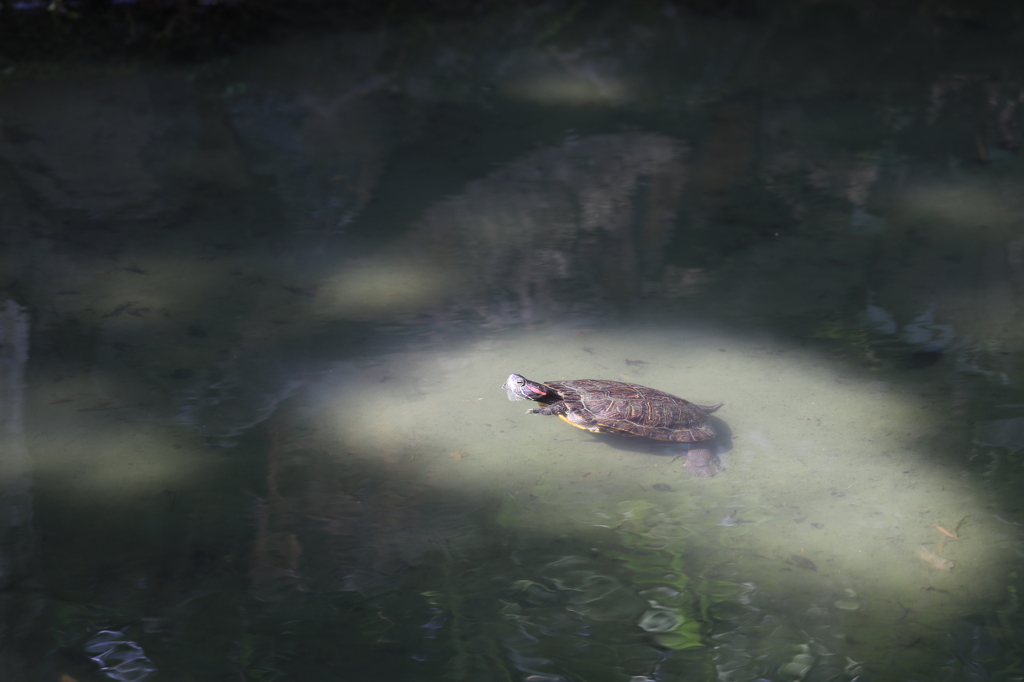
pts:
[256, 313]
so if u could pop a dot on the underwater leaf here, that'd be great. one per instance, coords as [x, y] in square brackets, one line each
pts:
[74, 621]
[660, 544]
[677, 581]
[593, 588]
[678, 563]
[660, 619]
[719, 590]
[619, 604]
[535, 594]
[677, 641]
[434, 598]
[670, 531]
[246, 650]
[636, 511]
[567, 563]
[587, 669]
[686, 636]
[662, 595]
[713, 594]
[645, 561]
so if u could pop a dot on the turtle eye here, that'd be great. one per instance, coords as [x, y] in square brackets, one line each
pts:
[520, 382]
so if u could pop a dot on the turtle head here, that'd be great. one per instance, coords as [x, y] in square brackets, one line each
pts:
[519, 387]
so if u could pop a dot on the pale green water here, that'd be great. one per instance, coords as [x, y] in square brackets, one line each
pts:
[257, 317]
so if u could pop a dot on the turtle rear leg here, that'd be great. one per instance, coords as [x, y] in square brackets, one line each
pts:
[702, 462]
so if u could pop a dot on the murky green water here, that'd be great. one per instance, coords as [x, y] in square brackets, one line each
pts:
[256, 314]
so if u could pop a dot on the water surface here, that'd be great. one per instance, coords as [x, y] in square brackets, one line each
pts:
[257, 314]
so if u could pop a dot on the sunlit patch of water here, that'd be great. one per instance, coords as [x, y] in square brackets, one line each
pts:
[835, 491]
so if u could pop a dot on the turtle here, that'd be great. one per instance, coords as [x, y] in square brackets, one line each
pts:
[605, 406]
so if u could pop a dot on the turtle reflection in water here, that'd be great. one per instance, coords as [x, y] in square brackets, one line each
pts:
[603, 406]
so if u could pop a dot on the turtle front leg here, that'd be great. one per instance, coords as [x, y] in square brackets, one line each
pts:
[702, 462]
[557, 408]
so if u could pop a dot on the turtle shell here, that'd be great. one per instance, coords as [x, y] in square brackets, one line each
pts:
[621, 407]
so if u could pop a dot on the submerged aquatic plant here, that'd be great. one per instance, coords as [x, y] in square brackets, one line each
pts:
[621, 602]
